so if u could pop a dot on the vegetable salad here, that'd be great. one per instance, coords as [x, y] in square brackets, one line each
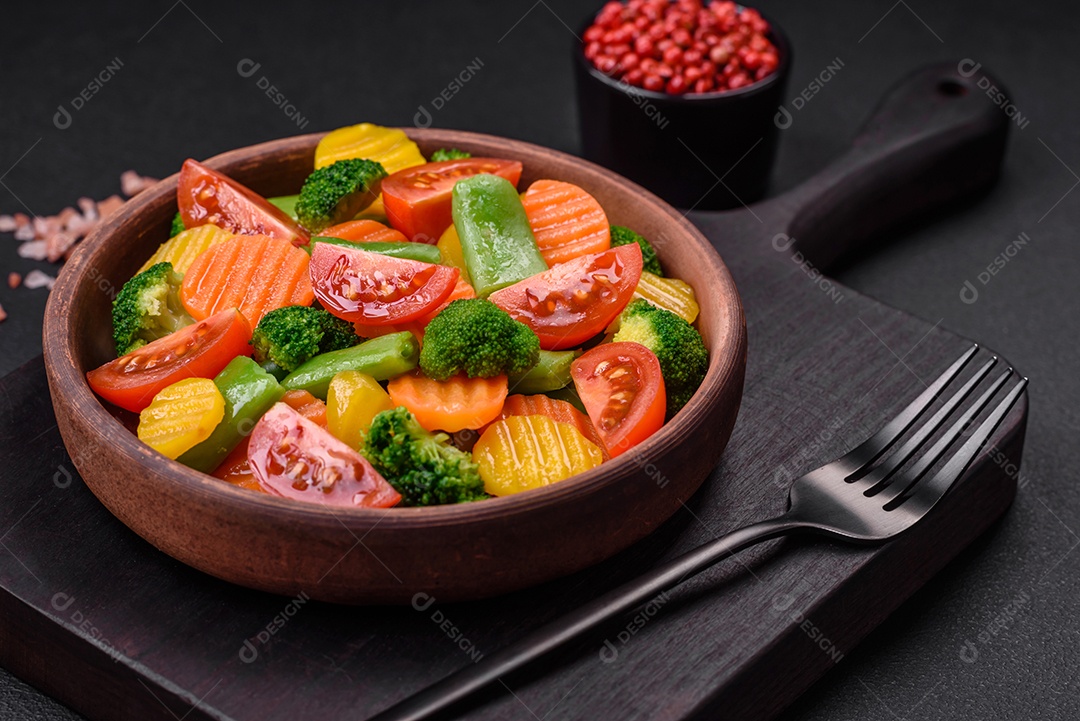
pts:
[403, 331]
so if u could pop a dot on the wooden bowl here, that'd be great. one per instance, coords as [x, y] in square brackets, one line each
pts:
[455, 552]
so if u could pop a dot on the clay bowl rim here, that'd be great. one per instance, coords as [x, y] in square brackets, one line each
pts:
[725, 364]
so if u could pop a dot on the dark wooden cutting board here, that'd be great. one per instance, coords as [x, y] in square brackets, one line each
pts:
[95, 616]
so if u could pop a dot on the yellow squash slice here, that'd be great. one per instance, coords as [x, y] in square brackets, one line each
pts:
[184, 247]
[353, 400]
[181, 416]
[520, 453]
[670, 294]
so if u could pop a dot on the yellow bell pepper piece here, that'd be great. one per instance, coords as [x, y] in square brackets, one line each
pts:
[670, 294]
[354, 398]
[449, 246]
[182, 249]
[389, 146]
[520, 453]
[181, 416]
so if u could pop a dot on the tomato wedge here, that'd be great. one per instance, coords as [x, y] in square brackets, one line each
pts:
[418, 199]
[235, 468]
[197, 351]
[375, 289]
[570, 303]
[293, 457]
[206, 196]
[623, 391]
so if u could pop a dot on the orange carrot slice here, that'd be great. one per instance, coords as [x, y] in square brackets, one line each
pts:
[567, 221]
[306, 405]
[254, 273]
[451, 405]
[364, 231]
[553, 408]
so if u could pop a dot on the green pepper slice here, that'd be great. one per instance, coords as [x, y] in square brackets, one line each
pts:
[382, 358]
[497, 241]
[249, 391]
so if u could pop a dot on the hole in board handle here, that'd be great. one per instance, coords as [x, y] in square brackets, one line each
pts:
[952, 88]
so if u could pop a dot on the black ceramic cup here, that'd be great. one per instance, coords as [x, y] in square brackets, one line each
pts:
[707, 151]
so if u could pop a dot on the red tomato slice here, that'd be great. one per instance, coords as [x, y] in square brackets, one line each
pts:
[293, 457]
[235, 468]
[623, 391]
[197, 351]
[206, 196]
[374, 289]
[417, 199]
[573, 301]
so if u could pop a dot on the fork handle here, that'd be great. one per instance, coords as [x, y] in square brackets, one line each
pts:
[612, 604]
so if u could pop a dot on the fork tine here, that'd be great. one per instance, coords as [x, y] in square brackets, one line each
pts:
[872, 448]
[889, 496]
[881, 474]
[927, 494]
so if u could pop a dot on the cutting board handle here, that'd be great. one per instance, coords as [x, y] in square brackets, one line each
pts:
[936, 138]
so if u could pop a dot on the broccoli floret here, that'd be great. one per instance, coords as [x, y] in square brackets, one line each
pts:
[424, 467]
[290, 336]
[449, 154]
[148, 307]
[677, 345]
[476, 337]
[338, 192]
[177, 226]
[624, 236]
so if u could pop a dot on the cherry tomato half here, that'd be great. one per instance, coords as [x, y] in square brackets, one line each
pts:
[196, 351]
[206, 196]
[375, 289]
[623, 391]
[293, 457]
[418, 199]
[573, 301]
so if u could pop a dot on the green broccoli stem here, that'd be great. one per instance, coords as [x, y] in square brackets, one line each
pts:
[275, 370]
[382, 358]
[551, 372]
[249, 391]
[177, 226]
[449, 154]
[413, 251]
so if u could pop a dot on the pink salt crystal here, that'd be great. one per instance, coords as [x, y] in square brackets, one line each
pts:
[37, 279]
[34, 250]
